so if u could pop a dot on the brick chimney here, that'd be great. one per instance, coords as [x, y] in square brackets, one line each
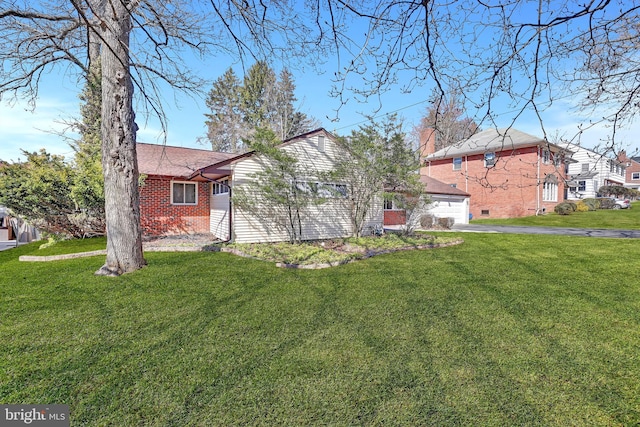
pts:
[427, 142]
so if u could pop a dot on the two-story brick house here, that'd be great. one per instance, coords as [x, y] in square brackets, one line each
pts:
[508, 173]
[632, 169]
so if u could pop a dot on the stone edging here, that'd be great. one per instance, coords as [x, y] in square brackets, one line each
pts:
[38, 258]
[368, 254]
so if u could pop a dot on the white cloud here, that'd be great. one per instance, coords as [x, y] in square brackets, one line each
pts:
[23, 129]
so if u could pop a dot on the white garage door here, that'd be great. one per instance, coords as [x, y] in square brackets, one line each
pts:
[455, 207]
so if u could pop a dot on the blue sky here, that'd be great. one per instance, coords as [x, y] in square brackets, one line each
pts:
[22, 129]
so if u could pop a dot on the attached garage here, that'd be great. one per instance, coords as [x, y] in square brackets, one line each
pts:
[446, 202]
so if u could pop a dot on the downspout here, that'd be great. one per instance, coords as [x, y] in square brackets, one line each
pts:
[466, 173]
[538, 181]
[230, 206]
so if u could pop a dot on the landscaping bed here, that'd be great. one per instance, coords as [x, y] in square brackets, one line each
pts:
[333, 252]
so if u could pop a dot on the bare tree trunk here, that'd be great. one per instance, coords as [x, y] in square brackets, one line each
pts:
[119, 162]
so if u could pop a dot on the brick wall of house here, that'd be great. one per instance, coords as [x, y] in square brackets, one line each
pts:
[507, 190]
[160, 217]
[394, 217]
[632, 169]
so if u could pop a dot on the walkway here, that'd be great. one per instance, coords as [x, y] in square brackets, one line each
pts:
[521, 229]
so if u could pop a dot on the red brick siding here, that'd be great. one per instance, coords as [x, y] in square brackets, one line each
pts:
[395, 217]
[507, 190]
[160, 217]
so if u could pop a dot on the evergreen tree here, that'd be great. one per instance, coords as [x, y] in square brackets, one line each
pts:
[261, 100]
[225, 125]
[87, 188]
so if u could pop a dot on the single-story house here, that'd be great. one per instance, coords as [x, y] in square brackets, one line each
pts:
[446, 202]
[187, 190]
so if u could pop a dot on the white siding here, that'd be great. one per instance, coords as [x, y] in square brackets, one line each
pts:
[328, 220]
[597, 172]
[219, 219]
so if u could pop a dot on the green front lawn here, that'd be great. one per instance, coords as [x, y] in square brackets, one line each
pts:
[501, 330]
[624, 219]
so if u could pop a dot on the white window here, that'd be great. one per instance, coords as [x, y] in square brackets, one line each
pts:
[221, 187]
[550, 192]
[321, 146]
[585, 167]
[322, 189]
[546, 156]
[635, 175]
[489, 159]
[388, 204]
[184, 193]
[457, 163]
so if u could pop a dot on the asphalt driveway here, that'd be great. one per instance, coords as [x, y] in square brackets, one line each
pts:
[520, 229]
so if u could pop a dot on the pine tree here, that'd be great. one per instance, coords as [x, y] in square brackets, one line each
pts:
[225, 125]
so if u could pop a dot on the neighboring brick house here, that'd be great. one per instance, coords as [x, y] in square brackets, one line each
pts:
[632, 166]
[172, 199]
[508, 173]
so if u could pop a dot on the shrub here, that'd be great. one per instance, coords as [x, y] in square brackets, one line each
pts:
[426, 221]
[563, 209]
[582, 207]
[606, 203]
[592, 203]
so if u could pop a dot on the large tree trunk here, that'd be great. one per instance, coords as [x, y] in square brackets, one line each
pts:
[119, 162]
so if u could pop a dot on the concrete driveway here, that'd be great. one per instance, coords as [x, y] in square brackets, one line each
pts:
[520, 229]
[7, 245]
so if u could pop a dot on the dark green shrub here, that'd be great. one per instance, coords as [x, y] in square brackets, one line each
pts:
[592, 203]
[606, 203]
[563, 208]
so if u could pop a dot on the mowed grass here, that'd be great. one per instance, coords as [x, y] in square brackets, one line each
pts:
[501, 330]
[624, 219]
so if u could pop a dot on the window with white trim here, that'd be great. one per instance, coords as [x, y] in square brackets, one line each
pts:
[635, 175]
[184, 193]
[221, 187]
[550, 192]
[321, 145]
[546, 156]
[457, 163]
[388, 204]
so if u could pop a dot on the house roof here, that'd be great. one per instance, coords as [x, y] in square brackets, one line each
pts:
[154, 159]
[216, 170]
[433, 186]
[490, 140]
[191, 163]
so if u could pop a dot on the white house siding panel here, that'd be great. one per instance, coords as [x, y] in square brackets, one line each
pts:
[449, 206]
[327, 220]
[598, 172]
[219, 218]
